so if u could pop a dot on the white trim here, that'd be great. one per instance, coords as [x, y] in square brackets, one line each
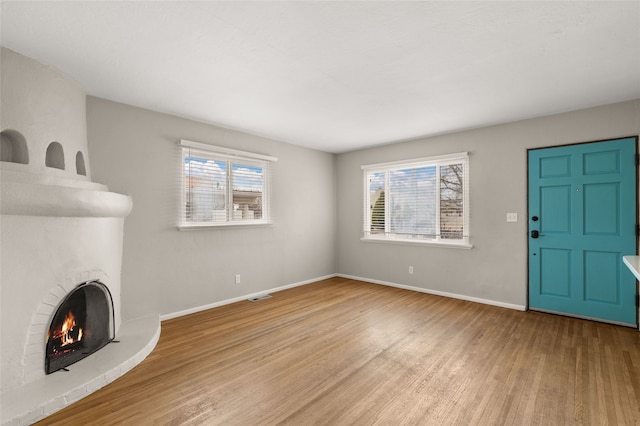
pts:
[259, 223]
[435, 243]
[416, 161]
[225, 151]
[438, 293]
[352, 277]
[240, 298]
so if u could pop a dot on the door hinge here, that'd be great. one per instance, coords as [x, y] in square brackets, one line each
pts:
[637, 230]
[637, 300]
[637, 159]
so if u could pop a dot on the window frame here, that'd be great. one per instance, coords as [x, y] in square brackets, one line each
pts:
[231, 157]
[434, 161]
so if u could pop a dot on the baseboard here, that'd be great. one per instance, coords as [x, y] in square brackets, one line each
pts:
[240, 298]
[438, 293]
[313, 280]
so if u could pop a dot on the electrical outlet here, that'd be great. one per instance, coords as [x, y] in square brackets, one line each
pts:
[237, 278]
[410, 269]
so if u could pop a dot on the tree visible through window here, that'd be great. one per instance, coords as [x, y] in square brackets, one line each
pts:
[451, 201]
[422, 200]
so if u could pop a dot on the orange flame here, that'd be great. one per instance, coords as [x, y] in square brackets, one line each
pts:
[66, 331]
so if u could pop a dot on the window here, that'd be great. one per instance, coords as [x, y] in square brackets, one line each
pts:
[222, 187]
[423, 201]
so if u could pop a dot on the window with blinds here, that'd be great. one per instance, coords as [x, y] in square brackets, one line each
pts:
[222, 187]
[423, 200]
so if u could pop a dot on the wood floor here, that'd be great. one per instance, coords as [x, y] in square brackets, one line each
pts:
[345, 352]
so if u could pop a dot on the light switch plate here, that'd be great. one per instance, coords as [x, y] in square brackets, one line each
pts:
[512, 217]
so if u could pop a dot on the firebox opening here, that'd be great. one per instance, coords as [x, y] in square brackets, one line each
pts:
[82, 324]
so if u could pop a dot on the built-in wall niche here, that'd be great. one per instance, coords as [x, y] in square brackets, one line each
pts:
[55, 156]
[80, 167]
[13, 147]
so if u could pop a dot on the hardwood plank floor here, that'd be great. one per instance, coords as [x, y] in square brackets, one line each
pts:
[345, 352]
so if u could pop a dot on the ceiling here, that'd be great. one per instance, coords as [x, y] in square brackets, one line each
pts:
[341, 75]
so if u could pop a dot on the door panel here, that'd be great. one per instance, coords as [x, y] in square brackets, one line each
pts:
[602, 209]
[555, 209]
[582, 202]
[555, 166]
[601, 162]
[555, 279]
[599, 266]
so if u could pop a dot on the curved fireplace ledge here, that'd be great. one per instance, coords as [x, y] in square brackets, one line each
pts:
[39, 399]
[87, 200]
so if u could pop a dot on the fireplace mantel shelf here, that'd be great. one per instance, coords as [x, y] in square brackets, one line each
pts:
[42, 195]
[35, 401]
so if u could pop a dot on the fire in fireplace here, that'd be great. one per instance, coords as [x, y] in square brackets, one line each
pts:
[82, 324]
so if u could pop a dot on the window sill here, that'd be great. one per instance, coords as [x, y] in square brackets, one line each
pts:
[443, 244]
[206, 226]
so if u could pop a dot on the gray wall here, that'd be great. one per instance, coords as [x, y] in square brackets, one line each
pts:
[164, 270]
[495, 269]
[318, 209]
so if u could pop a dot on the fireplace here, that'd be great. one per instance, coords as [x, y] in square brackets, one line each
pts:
[60, 249]
[82, 324]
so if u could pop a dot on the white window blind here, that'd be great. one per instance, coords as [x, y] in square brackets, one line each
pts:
[423, 200]
[224, 187]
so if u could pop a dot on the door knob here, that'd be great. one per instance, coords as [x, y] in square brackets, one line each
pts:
[535, 234]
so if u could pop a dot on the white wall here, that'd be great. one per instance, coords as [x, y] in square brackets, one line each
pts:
[166, 271]
[495, 269]
[44, 106]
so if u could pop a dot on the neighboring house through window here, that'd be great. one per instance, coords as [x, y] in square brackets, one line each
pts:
[423, 200]
[223, 187]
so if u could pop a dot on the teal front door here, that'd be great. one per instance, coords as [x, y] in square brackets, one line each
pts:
[582, 220]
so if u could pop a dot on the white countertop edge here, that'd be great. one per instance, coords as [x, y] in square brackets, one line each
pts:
[633, 263]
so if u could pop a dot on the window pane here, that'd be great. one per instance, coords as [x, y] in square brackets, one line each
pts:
[421, 200]
[376, 199]
[248, 187]
[412, 201]
[205, 190]
[451, 201]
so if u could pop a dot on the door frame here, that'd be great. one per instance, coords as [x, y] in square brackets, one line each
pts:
[637, 160]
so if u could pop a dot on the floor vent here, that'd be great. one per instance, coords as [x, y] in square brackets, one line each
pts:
[258, 298]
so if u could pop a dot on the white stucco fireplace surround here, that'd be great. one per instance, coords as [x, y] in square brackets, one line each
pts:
[58, 229]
